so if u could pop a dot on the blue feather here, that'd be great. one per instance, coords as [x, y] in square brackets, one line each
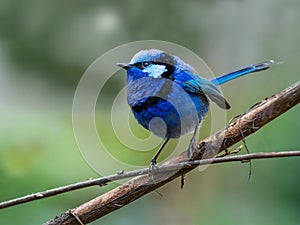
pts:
[160, 85]
[241, 72]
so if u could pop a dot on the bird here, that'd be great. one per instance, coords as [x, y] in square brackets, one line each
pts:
[168, 97]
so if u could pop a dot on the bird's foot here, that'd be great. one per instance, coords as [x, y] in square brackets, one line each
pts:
[152, 168]
[153, 165]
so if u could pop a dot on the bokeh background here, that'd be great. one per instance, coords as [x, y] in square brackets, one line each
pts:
[45, 47]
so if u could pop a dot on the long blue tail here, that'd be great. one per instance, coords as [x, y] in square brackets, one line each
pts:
[241, 72]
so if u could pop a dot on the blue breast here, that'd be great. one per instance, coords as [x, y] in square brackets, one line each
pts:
[151, 98]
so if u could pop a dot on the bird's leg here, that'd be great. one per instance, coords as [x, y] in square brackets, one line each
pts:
[153, 163]
[153, 160]
[192, 143]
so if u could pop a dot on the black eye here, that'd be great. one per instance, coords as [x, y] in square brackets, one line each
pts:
[141, 65]
[145, 64]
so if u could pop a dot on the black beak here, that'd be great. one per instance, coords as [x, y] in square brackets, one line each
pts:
[124, 65]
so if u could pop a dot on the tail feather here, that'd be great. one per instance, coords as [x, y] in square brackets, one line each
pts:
[241, 72]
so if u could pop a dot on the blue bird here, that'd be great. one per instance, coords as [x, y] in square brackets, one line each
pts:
[169, 98]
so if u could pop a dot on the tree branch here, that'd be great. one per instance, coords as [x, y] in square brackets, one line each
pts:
[159, 170]
[259, 115]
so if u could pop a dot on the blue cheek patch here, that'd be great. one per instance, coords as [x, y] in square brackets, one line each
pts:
[155, 71]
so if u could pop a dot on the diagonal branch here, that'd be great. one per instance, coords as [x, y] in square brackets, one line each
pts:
[159, 170]
[250, 122]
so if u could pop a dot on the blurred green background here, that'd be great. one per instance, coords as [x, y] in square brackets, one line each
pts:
[45, 47]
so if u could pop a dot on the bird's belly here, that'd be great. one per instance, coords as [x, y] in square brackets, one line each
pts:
[172, 119]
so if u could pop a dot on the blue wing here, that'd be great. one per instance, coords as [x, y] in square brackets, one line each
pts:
[194, 84]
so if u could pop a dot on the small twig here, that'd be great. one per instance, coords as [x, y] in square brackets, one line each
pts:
[247, 150]
[232, 152]
[159, 170]
[76, 217]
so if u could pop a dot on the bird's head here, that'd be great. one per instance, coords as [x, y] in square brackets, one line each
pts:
[153, 63]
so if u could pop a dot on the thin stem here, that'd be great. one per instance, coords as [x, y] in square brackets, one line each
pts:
[159, 170]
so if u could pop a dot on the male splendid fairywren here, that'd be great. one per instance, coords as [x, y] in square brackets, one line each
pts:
[161, 85]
